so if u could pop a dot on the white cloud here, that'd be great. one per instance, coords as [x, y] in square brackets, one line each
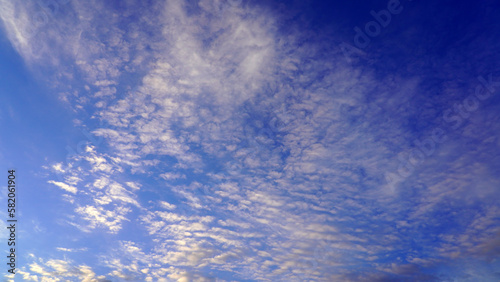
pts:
[172, 176]
[99, 217]
[64, 186]
[166, 205]
[300, 143]
[70, 249]
[57, 270]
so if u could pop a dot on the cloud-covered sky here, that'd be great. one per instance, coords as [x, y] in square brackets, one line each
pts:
[241, 140]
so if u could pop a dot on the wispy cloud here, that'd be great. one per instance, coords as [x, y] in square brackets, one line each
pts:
[234, 146]
[64, 186]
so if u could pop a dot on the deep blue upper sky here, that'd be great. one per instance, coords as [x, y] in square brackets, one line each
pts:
[252, 140]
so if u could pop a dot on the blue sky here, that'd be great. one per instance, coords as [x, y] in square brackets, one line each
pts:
[252, 140]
